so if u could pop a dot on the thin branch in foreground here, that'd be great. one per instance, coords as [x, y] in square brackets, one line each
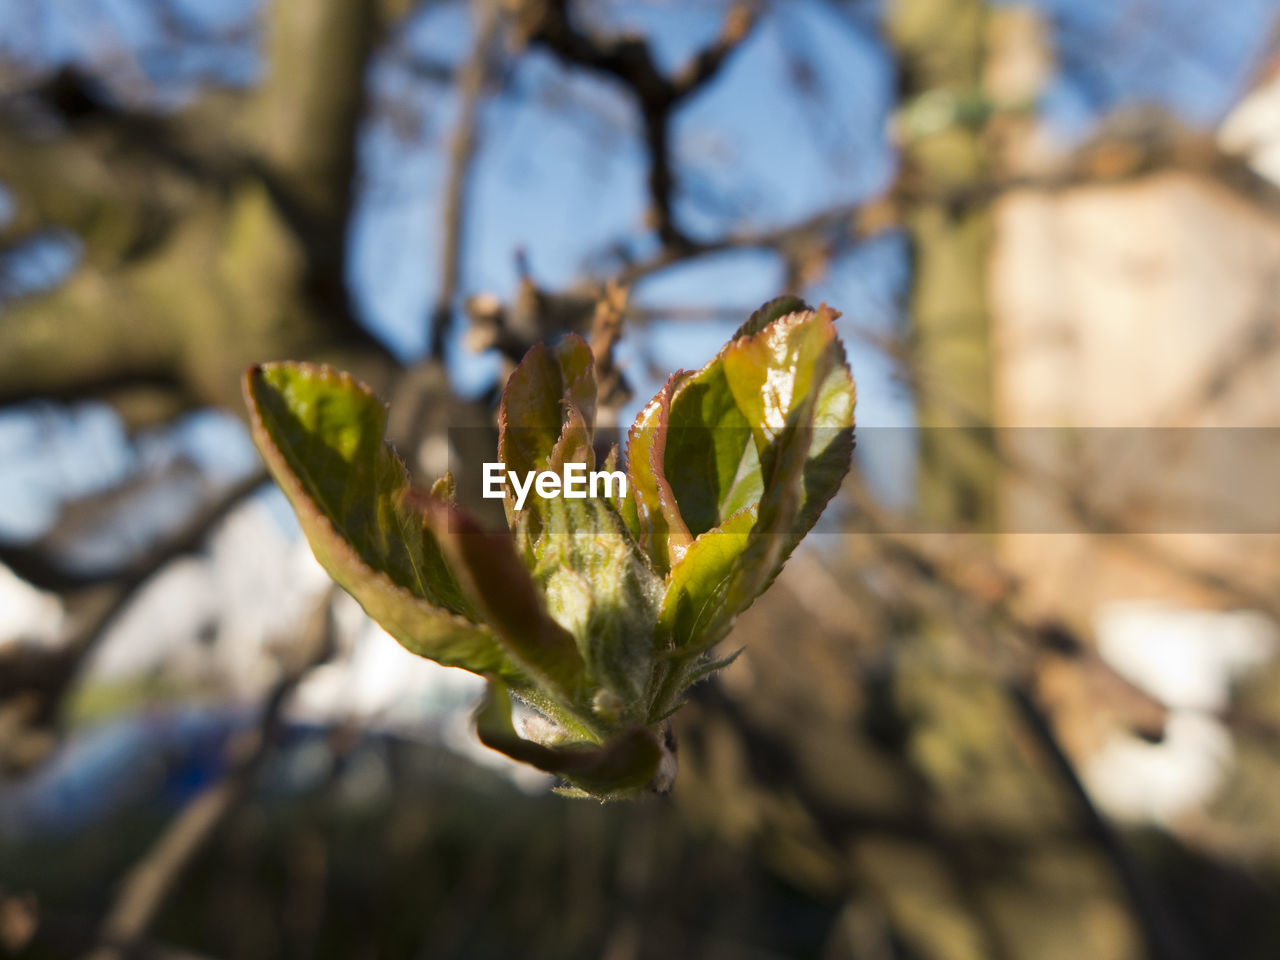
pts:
[151, 883]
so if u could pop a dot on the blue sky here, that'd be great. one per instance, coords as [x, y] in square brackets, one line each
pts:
[560, 173]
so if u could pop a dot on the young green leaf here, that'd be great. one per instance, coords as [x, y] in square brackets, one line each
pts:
[662, 529]
[574, 444]
[500, 587]
[797, 360]
[532, 414]
[691, 608]
[791, 385]
[709, 459]
[768, 313]
[320, 434]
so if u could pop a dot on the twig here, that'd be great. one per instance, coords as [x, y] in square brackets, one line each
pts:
[630, 61]
[985, 602]
[1164, 937]
[462, 145]
[613, 390]
[1158, 926]
[47, 675]
[153, 880]
[30, 563]
[854, 221]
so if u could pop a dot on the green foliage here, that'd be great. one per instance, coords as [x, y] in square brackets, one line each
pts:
[598, 612]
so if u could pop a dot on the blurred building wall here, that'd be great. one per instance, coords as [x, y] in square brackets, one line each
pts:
[1121, 312]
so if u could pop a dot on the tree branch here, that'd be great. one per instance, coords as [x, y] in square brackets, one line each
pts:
[152, 881]
[31, 563]
[831, 227]
[630, 61]
[462, 145]
[90, 179]
[43, 676]
[303, 119]
[1165, 939]
[91, 334]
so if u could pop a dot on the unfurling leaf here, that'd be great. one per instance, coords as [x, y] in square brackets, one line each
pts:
[320, 434]
[597, 611]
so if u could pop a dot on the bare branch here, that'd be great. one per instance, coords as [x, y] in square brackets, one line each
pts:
[471, 79]
[153, 880]
[97, 331]
[630, 61]
[32, 563]
[102, 178]
[40, 677]
[738, 24]
[303, 119]
[834, 226]
[1163, 931]
[613, 391]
